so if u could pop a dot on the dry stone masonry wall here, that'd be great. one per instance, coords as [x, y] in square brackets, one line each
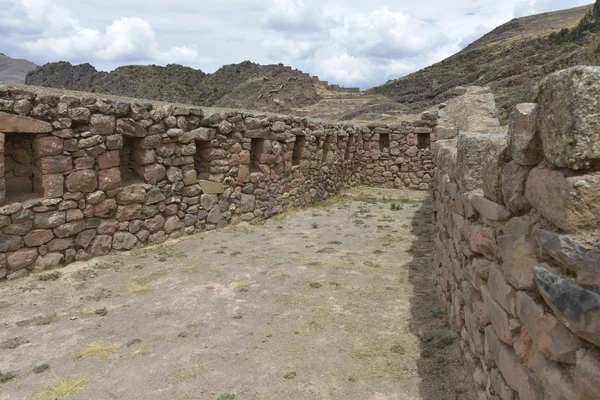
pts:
[83, 176]
[517, 222]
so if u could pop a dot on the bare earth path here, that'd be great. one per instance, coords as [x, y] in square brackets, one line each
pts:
[334, 302]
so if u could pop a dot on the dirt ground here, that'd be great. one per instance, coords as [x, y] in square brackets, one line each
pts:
[337, 301]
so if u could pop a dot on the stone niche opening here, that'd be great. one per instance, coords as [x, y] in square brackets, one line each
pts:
[423, 140]
[299, 146]
[22, 178]
[257, 148]
[130, 161]
[201, 159]
[384, 142]
[349, 147]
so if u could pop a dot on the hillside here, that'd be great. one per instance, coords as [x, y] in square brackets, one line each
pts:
[510, 59]
[14, 70]
[246, 85]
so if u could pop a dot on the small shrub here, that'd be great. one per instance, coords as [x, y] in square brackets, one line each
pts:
[50, 277]
[40, 368]
[315, 225]
[101, 312]
[6, 376]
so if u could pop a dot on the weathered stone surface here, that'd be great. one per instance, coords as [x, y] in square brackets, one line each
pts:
[518, 251]
[152, 173]
[550, 336]
[101, 245]
[172, 224]
[130, 128]
[102, 124]
[155, 223]
[498, 317]
[69, 229]
[496, 157]
[489, 209]
[482, 240]
[84, 238]
[109, 179]
[10, 123]
[124, 241]
[525, 144]
[568, 200]
[132, 194]
[38, 237]
[514, 180]
[518, 377]
[50, 260]
[84, 180]
[501, 291]
[49, 220]
[569, 117]
[471, 157]
[53, 185]
[588, 374]
[576, 307]
[570, 254]
[209, 187]
[55, 164]
[47, 146]
[21, 259]
[109, 159]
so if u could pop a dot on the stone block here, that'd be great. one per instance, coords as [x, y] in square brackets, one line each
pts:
[69, 229]
[21, 259]
[47, 146]
[514, 180]
[471, 156]
[132, 194]
[570, 201]
[38, 237]
[496, 157]
[53, 185]
[152, 174]
[482, 240]
[504, 328]
[130, 128]
[501, 291]
[102, 124]
[49, 261]
[209, 187]
[109, 159]
[570, 254]
[109, 179]
[569, 117]
[85, 181]
[524, 141]
[10, 123]
[549, 335]
[575, 306]
[49, 220]
[587, 374]
[101, 245]
[489, 209]
[518, 251]
[124, 241]
[55, 164]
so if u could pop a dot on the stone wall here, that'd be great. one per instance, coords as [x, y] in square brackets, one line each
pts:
[517, 223]
[84, 176]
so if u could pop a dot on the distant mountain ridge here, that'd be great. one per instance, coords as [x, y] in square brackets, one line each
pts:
[14, 70]
[510, 59]
[245, 85]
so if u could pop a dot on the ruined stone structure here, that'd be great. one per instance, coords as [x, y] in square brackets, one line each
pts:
[517, 223]
[82, 176]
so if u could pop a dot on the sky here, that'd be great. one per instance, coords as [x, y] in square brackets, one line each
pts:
[348, 42]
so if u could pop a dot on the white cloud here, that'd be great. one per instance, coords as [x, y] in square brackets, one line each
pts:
[350, 42]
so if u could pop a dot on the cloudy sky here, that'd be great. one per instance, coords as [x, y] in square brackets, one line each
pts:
[350, 42]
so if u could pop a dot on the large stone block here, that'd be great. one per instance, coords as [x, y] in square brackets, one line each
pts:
[495, 158]
[85, 180]
[575, 306]
[524, 142]
[514, 180]
[587, 375]
[21, 259]
[549, 335]
[47, 146]
[10, 123]
[570, 254]
[471, 156]
[102, 124]
[569, 117]
[130, 128]
[570, 201]
[519, 253]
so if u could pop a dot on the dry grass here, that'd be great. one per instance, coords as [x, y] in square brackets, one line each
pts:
[62, 388]
[139, 289]
[96, 350]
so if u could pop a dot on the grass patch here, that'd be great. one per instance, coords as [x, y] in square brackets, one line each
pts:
[40, 368]
[371, 264]
[334, 242]
[326, 250]
[226, 396]
[150, 278]
[7, 376]
[139, 289]
[101, 312]
[398, 349]
[236, 253]
[315, 285]
[62, 388]
[96, 350]
[378, 252]
[50, 277]
[359, 222]
[315, 225]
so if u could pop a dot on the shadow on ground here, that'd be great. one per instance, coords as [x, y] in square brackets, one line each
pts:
[441, 367]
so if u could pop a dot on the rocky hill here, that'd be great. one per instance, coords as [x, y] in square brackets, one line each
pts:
[511, 59]
[13, 70]
[244, 85]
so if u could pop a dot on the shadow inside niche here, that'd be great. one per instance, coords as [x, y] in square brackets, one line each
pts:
[444, 373]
